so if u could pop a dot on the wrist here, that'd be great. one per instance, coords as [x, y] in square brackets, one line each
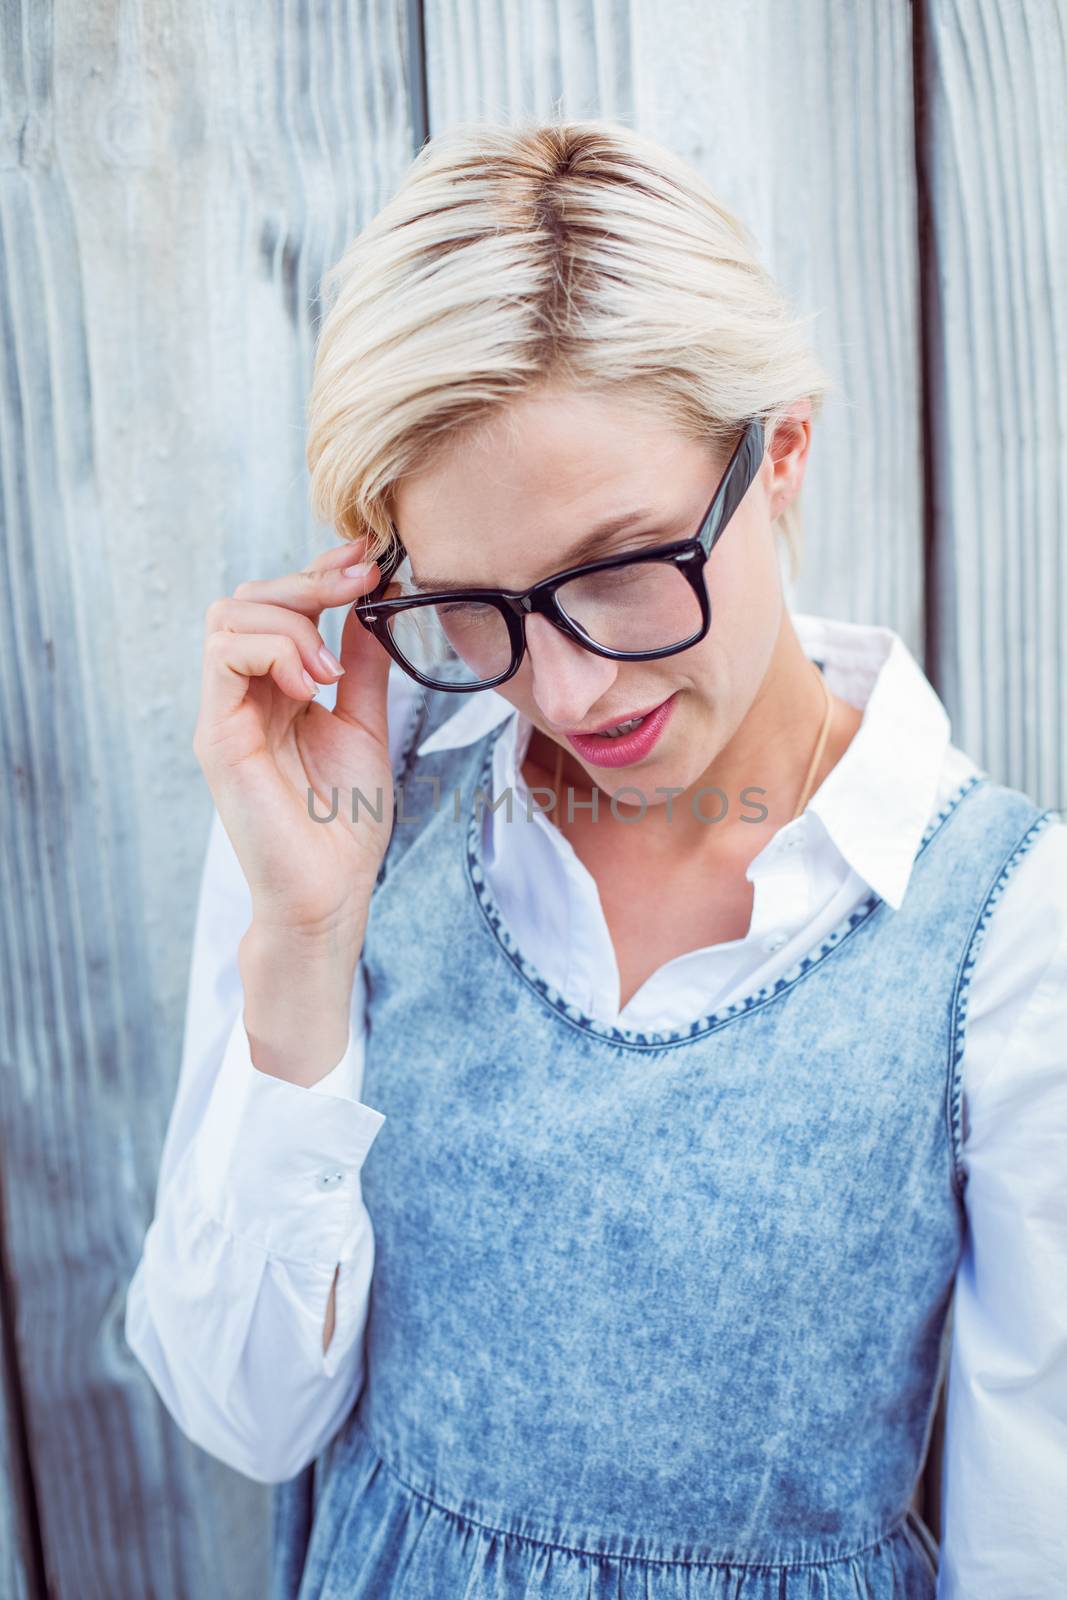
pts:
[297, 1000]
[317, 950]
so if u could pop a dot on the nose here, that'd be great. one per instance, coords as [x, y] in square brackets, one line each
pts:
[566, 679]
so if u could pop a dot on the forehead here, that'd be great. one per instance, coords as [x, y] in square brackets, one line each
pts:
[505, 498]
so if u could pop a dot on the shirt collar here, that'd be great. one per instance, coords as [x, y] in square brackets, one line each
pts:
[876, 802]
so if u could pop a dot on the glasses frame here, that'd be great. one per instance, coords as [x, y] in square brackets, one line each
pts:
[515, 605]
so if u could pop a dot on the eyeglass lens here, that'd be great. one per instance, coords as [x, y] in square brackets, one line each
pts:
[649, 605]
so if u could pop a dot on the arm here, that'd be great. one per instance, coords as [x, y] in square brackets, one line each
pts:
[1004, 1470]
[230, 1304]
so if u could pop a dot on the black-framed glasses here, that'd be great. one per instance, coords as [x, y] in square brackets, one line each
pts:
[637, 606]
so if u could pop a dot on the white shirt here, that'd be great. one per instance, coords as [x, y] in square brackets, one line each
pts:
[259, 1187]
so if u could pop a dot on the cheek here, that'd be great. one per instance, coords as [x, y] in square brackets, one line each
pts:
[517, 691]
[745, 588]
[728, 665]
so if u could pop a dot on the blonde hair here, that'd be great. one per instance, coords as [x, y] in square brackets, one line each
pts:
[576, 253]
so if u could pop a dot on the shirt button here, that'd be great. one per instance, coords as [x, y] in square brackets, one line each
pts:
[793, 842]
[775, 942]
[330, 1180]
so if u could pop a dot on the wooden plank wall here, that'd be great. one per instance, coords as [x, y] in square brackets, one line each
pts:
[173, 182]
[993, 147]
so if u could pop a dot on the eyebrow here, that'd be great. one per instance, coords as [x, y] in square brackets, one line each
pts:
[606, 534]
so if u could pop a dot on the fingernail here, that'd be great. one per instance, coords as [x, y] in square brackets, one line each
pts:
[330, 662]
[312, 685]
[360, 570]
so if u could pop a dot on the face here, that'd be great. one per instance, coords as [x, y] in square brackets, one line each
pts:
[506, 507]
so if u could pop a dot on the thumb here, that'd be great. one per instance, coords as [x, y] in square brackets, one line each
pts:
[362, 694]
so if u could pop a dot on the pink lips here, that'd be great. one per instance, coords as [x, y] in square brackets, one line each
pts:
[631, 747]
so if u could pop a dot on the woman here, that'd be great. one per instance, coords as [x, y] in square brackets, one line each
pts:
[567, 1185]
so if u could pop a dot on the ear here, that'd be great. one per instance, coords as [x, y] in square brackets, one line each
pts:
[788, 452]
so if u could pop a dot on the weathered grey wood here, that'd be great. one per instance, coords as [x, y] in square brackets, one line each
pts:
[800, 118]
[20, 1563]
[173, 181]
[996, 154]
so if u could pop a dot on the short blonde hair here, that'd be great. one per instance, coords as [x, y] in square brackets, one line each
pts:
[574, 253]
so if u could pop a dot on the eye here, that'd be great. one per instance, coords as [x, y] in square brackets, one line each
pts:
[466, 608]
[613, 579]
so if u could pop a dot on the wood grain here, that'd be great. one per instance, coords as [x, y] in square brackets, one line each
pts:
[997, 274]
[173, 182]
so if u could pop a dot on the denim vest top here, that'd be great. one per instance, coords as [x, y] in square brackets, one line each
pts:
[653, 1314]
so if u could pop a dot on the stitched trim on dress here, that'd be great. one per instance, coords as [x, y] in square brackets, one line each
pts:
[634, 1039]
[962, 990]
[405, 760]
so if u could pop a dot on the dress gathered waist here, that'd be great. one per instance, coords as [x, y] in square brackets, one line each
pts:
[399, 1536]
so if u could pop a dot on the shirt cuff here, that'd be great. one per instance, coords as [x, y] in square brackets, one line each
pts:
[278, 1165]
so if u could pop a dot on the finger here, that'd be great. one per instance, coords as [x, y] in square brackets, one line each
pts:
[336, 578]
[231, 660]
[341, 555]
[362, 694]
[246, 616]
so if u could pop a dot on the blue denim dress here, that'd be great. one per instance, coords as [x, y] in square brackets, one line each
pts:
[653, 1315]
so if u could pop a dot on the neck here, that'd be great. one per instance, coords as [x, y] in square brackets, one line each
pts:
[771, 748]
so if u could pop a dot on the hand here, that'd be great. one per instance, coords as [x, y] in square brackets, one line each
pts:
[263, 743]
